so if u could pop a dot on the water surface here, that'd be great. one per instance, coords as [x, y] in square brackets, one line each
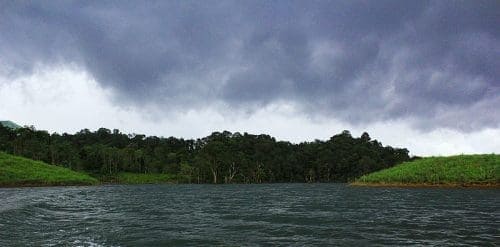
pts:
[248, 215]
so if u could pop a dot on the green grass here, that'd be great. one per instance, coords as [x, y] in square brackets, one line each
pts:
[461, 170]
[145, 178]
[18, 171]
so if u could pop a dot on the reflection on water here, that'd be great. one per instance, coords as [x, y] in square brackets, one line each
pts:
[284, 214]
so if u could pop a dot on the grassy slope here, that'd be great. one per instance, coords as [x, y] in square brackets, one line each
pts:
[18, 171]
[461, 170]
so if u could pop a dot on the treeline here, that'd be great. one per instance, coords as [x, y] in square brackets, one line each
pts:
[222, 157]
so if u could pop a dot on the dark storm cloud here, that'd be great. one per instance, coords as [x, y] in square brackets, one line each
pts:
[362, 61]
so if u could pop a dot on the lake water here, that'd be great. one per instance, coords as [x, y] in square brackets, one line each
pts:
[248, 215]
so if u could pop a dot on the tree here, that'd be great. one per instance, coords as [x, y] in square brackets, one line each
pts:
[222, 157]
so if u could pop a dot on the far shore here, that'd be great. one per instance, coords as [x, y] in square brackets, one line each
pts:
[426, 185]
[354, 184]
[36, 185]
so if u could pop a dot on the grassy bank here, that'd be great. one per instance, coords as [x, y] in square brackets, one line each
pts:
[17, 171]
[461, 170]
[142, 178]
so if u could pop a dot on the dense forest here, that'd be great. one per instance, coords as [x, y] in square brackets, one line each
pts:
[222, 157]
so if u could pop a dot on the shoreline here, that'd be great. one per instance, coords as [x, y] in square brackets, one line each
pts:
[36, 185]
[353, 184]
[426, 185]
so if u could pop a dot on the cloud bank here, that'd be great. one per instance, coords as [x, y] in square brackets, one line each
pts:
[432, 63]
[46, 100]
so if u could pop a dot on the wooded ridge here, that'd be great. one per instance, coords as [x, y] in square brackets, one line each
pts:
[222, 157]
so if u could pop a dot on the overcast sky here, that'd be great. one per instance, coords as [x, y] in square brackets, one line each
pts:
[424, 75]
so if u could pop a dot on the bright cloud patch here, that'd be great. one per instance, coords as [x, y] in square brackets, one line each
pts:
[66, 99]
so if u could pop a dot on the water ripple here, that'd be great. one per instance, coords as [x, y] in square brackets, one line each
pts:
[248, 215]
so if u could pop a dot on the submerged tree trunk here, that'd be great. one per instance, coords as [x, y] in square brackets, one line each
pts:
[232, 173]
[214, 173]
[213, 169]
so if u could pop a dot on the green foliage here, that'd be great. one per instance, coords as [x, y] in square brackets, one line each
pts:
[461, 169]
[18, 171]
[222, 157]
[146, 178]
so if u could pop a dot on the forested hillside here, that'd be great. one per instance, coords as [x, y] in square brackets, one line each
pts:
[222, 157]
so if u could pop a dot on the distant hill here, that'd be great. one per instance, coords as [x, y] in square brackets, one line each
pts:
[10, 124]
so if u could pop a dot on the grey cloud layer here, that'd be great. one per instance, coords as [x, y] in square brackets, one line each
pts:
[362, 61]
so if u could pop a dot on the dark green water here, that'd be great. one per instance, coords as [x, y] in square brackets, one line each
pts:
[253, 215]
